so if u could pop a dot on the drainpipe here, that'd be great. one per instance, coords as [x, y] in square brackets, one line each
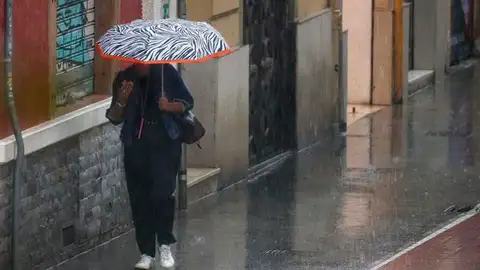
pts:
[20, 149]
[337, 28]
[398, 52]
[182, 175]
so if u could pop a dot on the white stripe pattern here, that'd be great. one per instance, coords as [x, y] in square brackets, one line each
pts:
[162, 40]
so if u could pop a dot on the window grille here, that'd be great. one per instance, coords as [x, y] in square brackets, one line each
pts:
[75, 49]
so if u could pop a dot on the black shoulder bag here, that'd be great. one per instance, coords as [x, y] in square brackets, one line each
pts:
[192, 128]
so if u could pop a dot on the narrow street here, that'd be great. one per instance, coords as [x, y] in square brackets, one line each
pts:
[345, 209]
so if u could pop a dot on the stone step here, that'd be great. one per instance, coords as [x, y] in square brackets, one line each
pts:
[419, 79]
[201, 182]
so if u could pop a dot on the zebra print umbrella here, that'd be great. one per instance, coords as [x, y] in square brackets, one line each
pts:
[163, 41]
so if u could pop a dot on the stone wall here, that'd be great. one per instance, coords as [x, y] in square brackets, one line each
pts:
[317, 95]
[424, 35]
[72, 198]
[220, 88]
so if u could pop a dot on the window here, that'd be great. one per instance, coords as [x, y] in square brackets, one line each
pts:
[75, 50]
[57, 40]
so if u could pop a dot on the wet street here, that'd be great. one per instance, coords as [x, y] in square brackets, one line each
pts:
[350, 207]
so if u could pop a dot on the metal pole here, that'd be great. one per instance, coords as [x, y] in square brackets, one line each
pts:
[182, 175]
[20, 150]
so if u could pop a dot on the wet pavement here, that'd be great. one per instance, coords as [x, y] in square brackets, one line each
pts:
[338, 207]
[456, 248]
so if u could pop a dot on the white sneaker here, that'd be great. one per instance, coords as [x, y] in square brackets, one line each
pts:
[166, 258]
[145, 263]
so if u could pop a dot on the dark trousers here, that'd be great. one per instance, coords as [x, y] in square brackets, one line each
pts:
[151, 170]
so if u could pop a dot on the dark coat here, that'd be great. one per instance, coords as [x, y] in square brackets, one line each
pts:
[152, 161]
[174, 88]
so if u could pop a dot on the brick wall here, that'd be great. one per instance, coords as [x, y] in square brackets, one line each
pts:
[74, 186]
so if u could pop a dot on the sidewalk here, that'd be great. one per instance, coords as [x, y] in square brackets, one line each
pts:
[351, 208]
[455, 248]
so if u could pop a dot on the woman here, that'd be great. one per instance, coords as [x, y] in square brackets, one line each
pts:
[152, 151]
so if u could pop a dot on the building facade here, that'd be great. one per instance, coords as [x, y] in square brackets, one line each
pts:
[73, 197]
[280, 79]
[397, 47]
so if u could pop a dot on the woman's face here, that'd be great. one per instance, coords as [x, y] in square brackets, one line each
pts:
[142, 69]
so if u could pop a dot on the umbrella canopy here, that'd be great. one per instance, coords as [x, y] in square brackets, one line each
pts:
[163, 41]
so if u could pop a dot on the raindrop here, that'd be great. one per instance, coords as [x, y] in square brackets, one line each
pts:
[197, 240]
[449, 209]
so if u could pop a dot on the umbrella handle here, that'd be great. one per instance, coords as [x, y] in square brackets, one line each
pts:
[163, 89]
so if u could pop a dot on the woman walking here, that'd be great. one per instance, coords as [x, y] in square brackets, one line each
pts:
[147, 99]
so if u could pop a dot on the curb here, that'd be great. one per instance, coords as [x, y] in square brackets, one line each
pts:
[420, 82]
[430, 235]
[463, 66]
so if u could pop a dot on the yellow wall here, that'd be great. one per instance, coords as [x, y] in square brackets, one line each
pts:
[199, 10]
[222, 6]
[224, 15]
[308, 7]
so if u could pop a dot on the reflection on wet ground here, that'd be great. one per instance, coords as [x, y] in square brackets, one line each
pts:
[331, 209]
[358, 111]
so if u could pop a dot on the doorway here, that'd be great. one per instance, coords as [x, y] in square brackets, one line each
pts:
[269, 29]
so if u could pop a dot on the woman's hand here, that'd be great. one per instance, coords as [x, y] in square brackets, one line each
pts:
[166, 106]
[124, 92]
[163, 104]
